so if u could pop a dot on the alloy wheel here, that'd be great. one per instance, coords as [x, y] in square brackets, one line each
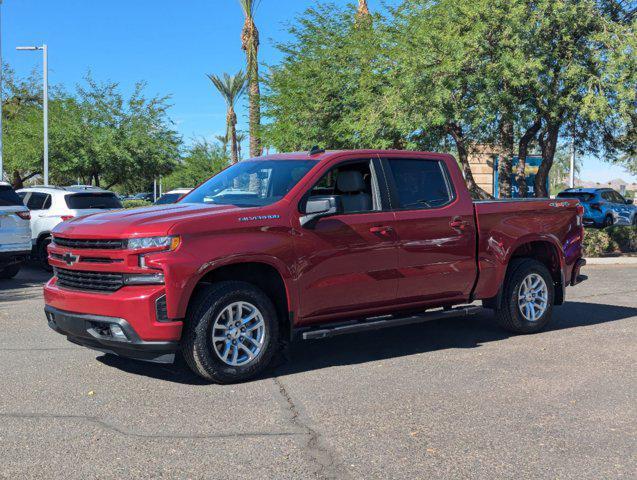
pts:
[533, 297]
[238, 334]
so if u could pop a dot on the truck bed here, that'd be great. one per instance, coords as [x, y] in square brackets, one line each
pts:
[552, 227]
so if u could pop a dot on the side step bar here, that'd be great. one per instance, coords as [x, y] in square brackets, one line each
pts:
[376, 323]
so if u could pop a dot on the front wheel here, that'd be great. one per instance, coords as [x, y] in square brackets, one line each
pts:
[231, 332]
[528, 296]
[608, 221]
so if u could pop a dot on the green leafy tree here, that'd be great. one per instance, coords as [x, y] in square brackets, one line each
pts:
[231, 88]
[250, 45]
[329, 88]
[201, 161]
[95, 134]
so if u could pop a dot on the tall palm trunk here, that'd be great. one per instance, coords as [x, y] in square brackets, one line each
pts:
[250, 44]
[232, 135]
[363, 9]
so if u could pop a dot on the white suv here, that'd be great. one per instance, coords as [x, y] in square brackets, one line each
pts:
[52, 205]
[15, 232]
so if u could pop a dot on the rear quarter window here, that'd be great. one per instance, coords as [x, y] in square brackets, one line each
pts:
[87, 201]
[8, 198]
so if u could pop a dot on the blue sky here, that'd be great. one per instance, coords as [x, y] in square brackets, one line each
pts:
[170, 44]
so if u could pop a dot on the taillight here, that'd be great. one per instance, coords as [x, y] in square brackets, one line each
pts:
[596, 206]
[580, 209]
[24, 215]
[66, 217]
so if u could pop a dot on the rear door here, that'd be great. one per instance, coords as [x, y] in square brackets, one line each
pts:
[435, 231]
[40, 203]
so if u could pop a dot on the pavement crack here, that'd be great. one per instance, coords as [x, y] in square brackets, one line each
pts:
[327, 466]
[105, 425]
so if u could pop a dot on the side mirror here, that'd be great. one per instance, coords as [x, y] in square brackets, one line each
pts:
[630, 201]
[318, 207]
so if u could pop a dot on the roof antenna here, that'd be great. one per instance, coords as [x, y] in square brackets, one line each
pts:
[315, 150]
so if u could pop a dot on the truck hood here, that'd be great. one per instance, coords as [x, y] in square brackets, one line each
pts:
[147, 221]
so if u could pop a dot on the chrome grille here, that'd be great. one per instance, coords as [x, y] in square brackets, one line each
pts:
[93, 281]
[92, 243]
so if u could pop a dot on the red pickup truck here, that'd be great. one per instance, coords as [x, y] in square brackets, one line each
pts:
[306, 246]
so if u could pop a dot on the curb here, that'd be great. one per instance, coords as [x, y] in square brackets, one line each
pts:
[612, 261]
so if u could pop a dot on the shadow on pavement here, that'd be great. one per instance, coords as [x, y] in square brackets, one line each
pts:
[389, 342]
[22, 286]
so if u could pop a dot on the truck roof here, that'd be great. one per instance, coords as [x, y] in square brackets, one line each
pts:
[325, 154]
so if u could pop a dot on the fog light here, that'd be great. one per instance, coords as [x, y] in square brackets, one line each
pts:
[144, 279]
[161, 312]
[117, 332]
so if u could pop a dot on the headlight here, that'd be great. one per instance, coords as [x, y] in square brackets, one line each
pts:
[154, 243]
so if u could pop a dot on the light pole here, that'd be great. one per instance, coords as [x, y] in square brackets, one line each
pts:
[45, 68]
[1, 165]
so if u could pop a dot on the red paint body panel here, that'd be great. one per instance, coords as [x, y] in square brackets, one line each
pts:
[346, 266]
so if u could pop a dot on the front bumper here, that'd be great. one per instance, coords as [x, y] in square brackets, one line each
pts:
[95, 332]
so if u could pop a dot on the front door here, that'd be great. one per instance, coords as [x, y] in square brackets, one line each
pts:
[435, 231]
[347, 263]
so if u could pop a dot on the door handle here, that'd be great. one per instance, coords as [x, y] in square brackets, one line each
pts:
[384, 231]
[458, 223]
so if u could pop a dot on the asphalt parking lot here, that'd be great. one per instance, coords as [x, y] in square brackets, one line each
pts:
[448, 399]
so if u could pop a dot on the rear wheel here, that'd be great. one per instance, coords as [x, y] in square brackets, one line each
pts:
[231, 332]
[43, 254]
[9, 272]
[528, 296]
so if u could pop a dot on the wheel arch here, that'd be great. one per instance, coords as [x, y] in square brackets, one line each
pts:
[262, 274]
[546, 251]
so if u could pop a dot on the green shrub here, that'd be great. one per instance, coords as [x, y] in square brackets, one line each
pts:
[624, 237]
[135, 203]
[598, 242]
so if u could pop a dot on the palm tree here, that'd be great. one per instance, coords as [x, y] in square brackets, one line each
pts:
[223, 140]
[250, 44]
[363, 9]
[231, 87]
[241, 136]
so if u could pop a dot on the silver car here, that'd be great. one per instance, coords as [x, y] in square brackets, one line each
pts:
[15, 232]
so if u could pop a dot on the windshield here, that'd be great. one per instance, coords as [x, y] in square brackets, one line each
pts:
[253, 183]
[582, 196]
[168, 198]
[86, 201]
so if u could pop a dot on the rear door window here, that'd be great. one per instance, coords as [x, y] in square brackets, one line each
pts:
[8, 198]
[420, 183]
[88, 201]
[39, 201]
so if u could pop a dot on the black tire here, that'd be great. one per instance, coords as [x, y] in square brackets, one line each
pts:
[43, 254]
[197, 345]
[509, 314]
[9, 272]
[608, 221]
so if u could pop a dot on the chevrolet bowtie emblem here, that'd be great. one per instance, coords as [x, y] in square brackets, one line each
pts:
[70, 259]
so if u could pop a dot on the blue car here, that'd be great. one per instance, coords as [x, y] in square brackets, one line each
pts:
[603, 207]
